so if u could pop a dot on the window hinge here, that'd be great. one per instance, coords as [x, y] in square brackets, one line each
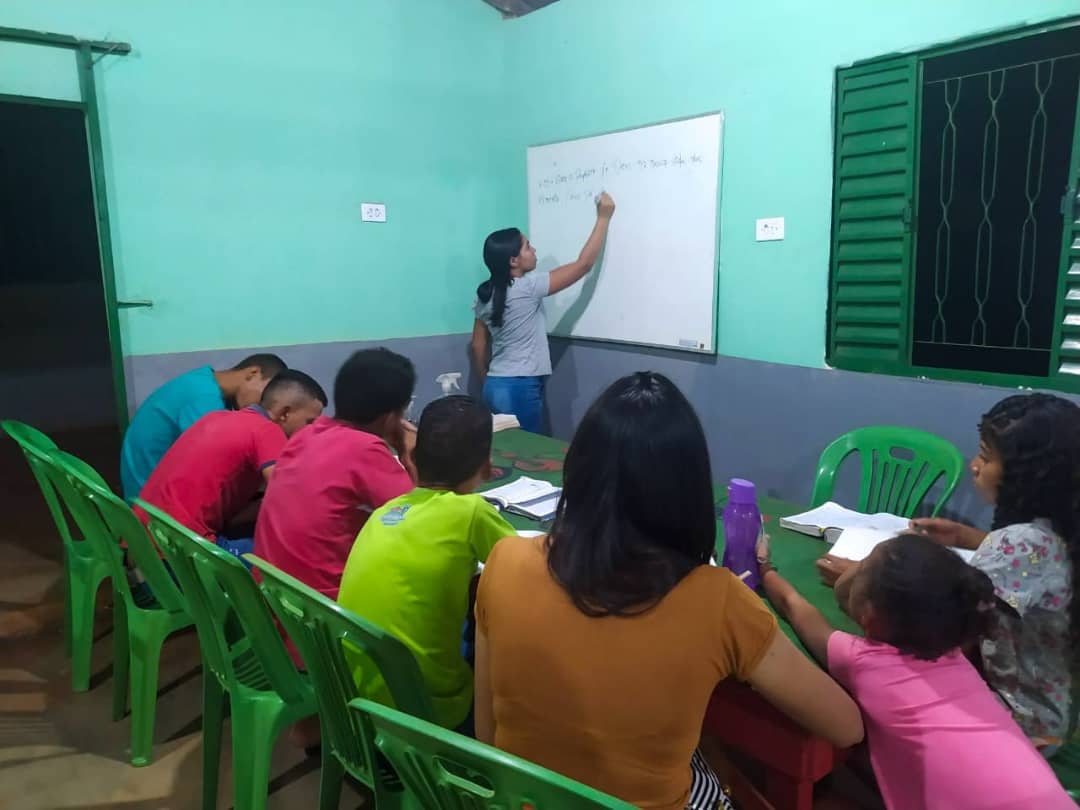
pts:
[1071, 193]
[908, 216]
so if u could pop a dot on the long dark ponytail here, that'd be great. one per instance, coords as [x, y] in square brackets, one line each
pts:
[499, 248]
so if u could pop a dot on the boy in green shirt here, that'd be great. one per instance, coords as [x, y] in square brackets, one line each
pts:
[410, 568]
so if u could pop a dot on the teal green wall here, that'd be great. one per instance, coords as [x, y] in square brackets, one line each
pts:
[241, 139]
[589, 66]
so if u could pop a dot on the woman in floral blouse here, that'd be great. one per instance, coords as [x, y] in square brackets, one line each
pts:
[1029, 467]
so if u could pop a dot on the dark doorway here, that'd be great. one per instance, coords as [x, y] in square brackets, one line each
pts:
[55, 358]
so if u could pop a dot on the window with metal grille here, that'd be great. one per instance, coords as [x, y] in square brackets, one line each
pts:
[956, 215]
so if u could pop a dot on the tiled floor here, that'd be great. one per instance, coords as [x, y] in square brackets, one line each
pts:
[60, 750]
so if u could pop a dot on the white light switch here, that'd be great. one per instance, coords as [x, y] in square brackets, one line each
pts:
[372, 212]
[770, 229]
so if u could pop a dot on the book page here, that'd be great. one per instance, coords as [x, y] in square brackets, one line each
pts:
[832, 515]
[504, 421]
[521, 491]
[540, 508]
[856, 544]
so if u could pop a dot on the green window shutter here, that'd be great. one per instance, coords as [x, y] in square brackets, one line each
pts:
[1065, 366]
[873, 190]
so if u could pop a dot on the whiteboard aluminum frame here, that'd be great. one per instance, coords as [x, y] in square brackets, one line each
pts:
[715, 351]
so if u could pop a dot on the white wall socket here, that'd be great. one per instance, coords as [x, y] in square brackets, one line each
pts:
[770, 229]
[372, 212]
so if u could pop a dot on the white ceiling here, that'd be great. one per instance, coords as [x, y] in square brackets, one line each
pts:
[515, 8]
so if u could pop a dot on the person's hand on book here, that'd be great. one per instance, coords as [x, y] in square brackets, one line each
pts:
[831, 568]
[948, 532]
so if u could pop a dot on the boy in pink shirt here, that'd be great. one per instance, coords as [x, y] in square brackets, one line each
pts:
[938, 737]
[332, 475]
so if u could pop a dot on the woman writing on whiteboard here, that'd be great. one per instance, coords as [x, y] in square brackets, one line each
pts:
[510, 327]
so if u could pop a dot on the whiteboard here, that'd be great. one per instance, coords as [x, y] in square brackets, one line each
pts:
[656, 281]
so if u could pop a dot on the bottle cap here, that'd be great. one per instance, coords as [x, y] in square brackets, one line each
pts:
[742, 491]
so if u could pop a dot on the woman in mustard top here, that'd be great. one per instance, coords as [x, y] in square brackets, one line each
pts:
[599, 646]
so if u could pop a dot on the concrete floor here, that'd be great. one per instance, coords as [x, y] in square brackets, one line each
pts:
[61, 750]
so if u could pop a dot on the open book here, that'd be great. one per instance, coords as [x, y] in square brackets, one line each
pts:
[857, 543]
[504, 421]
[822, 522]
[527, 497]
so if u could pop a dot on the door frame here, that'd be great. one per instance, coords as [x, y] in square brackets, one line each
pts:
[88, 103]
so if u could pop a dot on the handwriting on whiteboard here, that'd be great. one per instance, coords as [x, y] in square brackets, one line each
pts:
[585, 182]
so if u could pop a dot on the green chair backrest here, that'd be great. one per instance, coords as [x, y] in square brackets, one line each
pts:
[36, 446]
[319, 628]
[84, 514]
[107, 519]
[899, 467]
[1066, 765]
[442, 770]
[220, 592]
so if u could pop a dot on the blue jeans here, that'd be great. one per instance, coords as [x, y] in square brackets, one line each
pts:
[521, 396]
[237, 547]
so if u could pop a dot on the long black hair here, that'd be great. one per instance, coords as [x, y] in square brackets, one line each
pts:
[636, 513]
[928, 600]
[1037, 438]
[499, 248]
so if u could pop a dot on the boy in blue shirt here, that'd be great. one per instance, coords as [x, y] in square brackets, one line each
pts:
[179, 403]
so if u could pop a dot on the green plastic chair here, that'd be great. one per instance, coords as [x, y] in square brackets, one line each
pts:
[84, 571]
[143, 620]
[899, 466]
[1066, 765]
[244, 659]
[442, 770]
[320, 628]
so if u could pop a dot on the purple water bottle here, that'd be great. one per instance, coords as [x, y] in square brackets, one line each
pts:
[742, 525]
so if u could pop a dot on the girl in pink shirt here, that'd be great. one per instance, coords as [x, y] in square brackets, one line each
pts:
[939, 739]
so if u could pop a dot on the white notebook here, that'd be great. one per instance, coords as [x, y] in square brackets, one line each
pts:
[831, 515]
[528, 497]
[857, 543]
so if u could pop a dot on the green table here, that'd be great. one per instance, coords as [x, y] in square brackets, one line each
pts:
[737, 716]
[517, 453]
[794, 555]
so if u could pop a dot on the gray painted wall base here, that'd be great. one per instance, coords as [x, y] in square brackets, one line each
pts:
[764, 421]
[769, 422]
[431, 355]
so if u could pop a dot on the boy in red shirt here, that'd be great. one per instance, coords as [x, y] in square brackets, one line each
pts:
[213, 472]
[336, 473]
